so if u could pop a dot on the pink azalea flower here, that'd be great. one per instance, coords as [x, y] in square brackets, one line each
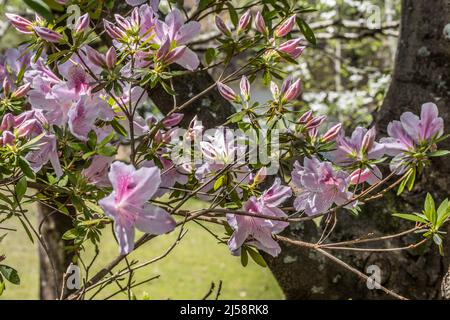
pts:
[46, 151]
[176, 30]
[276, 194]
[410, 132]
[127, 204]
[320, 186]
[257, 230]
[361, 145]
[83, 115]
[97, 172]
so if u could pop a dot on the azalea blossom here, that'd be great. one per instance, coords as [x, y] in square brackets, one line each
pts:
[411, 132]
[97, 172]
[320, 186]
[127, 204]
[175, 30]
[258, 231]
[361, 145]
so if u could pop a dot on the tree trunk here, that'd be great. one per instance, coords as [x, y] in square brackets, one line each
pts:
[421, 74]
[54, 261]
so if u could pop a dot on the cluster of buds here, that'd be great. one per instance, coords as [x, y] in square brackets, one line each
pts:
[26, 26]
[8, 96]
[106, 61]
[290, 90]
[229, 94]
[311, 123]
[124, 26]
[28, 124]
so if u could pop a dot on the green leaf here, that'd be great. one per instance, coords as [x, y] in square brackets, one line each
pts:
[411, 179]
[307, 31]
[233, 14]
[41, 8]
[257, 257]
[430, 211]
[210, 55]
[2, 286]
[437, 239]
[411, 217]
[244, 257]
[107, 139]
[21, 188]
[439, 153]
[70, 234]
[107, 151]
[118, 128]
[203, 4]
[10, 274]
[25, 166]
[219, 182]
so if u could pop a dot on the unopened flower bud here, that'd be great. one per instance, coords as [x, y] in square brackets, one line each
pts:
[226, 92]
[285, 27]
[332, 133]
[293, 91]
[173, 120]
[47, 34]
[22, 90]
[244, 21]
[245, 88]
[82, 23]
[222, 26]
[21, 24]
[305, 117]
[260, 24]
[111, 58]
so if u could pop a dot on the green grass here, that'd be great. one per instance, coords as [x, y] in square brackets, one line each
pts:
[186, 273]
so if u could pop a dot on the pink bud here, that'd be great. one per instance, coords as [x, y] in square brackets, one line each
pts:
[135, 17]
[293, 91]
[158, 138]
[332, 133]
[305, 117]
[260, 175]
[47, 34]
[163, 49]
[175, 54]
[244, 21]
[82, 23]
[112, 30]
[285, 27]
[368, 139]
[22, 90]
[359, 176]
[260, 24]
[7, 122]
[289, 46]
[275, 90]
[315, 122]
[21, 24]
[245, 88]
[173, 120]
[222, 26]
[29, 127]
[8, 138]
[122, 22]
[226, 92]
[111, 58]
[6, 86]
[95, 57]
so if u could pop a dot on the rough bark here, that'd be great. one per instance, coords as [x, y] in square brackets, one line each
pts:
[53, 265]
[421, 74]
